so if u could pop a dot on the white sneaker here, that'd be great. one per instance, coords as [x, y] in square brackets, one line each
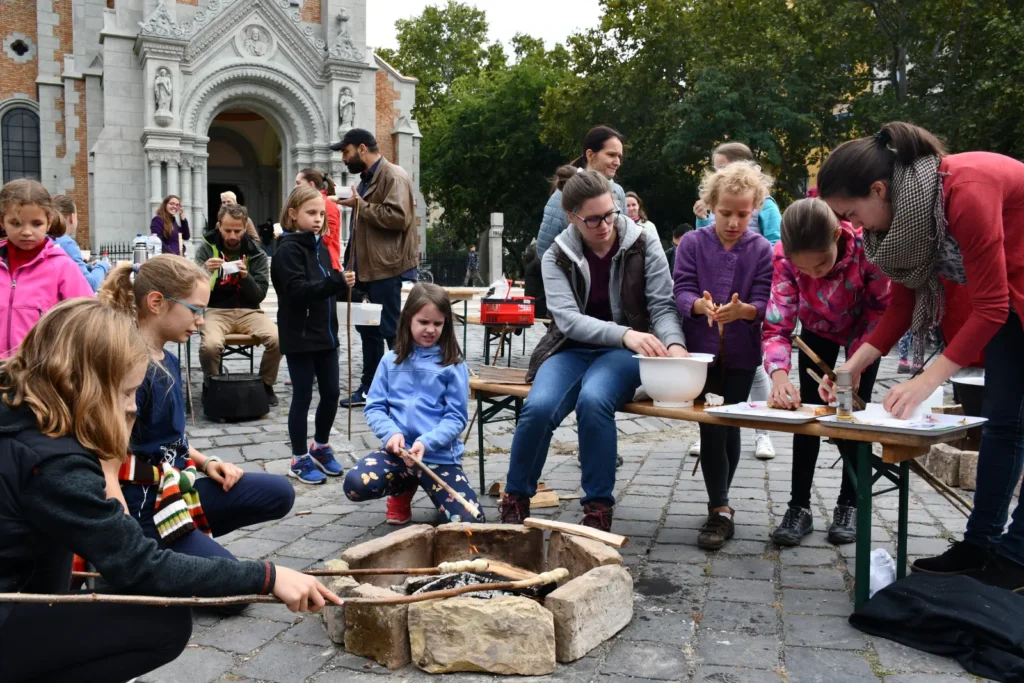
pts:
[763, 449]
[695, 448]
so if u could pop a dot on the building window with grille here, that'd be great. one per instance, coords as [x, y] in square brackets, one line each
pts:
[20, 144]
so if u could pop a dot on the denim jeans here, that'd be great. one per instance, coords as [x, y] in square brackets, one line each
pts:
[594, 383]
[388, 293]
[1001, 456]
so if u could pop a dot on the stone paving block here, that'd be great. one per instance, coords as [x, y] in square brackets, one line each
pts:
[668, 627]
[297, 563]
[669, 536]
[309, 631]
[204, 432]
[645, 514]
[646, 660]
[364, 519]
[925, 678]
[336, 533]
[686, 554]
[695, 508]
[739, 617]
[260, 451]
[738, 547]
[670, 583]
[894, 656]
[313, 549]
[310, 521]
[634, 528]
[232, 455]
[685, 521]
[240, 634]
[807, 665]
[732, 674]
[834, 603]
[821, 578]
[235, 440]
[270, 611]
[276, 532]
[194, 665]
[741, 590]
[807, 557]
[814, 631]
[742, 568]
[738, 649]
[286, 662]
[252, 548]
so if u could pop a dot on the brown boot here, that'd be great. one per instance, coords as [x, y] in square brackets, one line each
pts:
[513, 509]
[597, 516]
[717, 530]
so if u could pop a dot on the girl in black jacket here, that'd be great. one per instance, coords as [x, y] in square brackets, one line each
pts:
[307, 324]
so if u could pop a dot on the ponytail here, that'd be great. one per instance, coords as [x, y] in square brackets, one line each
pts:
[854, 166]
[171, 275]
[116, 290]
[58, 225]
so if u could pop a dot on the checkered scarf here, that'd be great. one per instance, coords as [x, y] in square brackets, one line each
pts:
[914, 247]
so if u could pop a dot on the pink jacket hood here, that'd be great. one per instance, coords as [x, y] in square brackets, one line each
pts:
[37, 286]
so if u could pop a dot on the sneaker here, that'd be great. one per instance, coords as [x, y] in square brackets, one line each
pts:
[916, 368]
[513, 509]
[796, 523]
[399, 509]
[1001, 572]
[358, 398]
[763, 448]
[695, 448]
[597, 516]
[272, 399]
[843, 528]
[961, 558]
[904, 368]
[717, 530]
[323, 458]
[305, 470]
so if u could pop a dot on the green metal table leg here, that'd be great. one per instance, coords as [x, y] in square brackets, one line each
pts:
[863, 561]
[901, 533]
[480, 440]
[465, 322]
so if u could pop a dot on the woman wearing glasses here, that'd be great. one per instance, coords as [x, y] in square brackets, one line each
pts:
[610, 293]
[169, 224]
[158, 483]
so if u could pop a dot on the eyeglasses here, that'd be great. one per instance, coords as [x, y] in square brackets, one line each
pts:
[593, 222]
[197, 312]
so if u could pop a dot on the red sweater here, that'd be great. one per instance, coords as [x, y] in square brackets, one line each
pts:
[984, 201]
[332, 238]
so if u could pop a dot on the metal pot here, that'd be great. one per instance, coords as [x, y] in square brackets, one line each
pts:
[969, 392]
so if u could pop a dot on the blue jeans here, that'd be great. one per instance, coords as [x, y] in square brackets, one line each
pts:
[593, 382]
[1001, 456]
[388, 293]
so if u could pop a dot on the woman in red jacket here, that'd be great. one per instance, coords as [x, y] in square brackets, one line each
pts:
[931, 219]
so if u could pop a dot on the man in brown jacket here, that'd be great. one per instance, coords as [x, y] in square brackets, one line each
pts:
[383, 241]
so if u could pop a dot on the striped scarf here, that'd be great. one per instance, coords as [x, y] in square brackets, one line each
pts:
[177, 511]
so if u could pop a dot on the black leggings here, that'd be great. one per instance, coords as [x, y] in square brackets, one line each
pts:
[304, 368]
[101, 643]
[720, 446]
[805, 448]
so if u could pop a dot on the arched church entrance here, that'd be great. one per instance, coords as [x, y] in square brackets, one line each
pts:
[244, 158]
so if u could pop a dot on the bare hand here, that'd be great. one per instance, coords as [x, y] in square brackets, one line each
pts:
[734, 310]
[351, 201]
[395, 444]
[700, 209]
[903, 398]
[224, 473]
[300, 592]
[418, 450]
[645, 344]
[827, 389]
[783, 392]
[243, 269]
[705, 306]
[677, 351]
[214, 264]
[350, 278]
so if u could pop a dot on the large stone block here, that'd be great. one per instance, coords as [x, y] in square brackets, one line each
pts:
[380, 632]
[969, 470]
[590, 610]
[342, 586]
[944, 463]
[579, 555]
[509, 543]
[506, 635]
[409, 547]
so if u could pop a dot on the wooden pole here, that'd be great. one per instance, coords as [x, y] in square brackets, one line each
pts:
[479, 565]
[348, 317]
[473, 510]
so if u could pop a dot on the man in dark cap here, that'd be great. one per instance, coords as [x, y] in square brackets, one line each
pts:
[384, 240]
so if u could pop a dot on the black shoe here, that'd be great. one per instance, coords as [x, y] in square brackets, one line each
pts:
[597, 516]
[717, 530]
[513, 509]
[1001, 572]
[962, 557]
[796, 523]
[358, 398]
[272, 399]
[843, 529]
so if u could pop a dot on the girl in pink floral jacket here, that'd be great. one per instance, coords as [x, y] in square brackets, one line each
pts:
[823, 278]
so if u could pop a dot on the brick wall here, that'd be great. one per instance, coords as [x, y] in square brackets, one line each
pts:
[80, 168]
[62, 148]
[386, 96]
[64, 32]
[311, 11]
[110, 3]
[19, 17]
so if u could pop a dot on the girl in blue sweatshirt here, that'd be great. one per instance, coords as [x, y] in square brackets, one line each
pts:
[419, 401]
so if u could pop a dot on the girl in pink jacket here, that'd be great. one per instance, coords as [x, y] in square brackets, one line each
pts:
[34, 271]
[823, 278]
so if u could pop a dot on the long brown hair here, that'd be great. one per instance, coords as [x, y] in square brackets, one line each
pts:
[26, 192]
[171, 275]
[165, 215]
[318, 178]
[561, 177]
[641, 214]
[69, 371]
[851, 169]
[421, 295]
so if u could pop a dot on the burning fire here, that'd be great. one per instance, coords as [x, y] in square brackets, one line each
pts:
[469, 535]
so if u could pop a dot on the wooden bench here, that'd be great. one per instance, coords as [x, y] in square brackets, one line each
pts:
[894, 464]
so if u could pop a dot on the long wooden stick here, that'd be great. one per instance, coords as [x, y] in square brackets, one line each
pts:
[858, 402]
[478, 565]
[553, 576]
[943, 489]
[473, 510]
[348, 317]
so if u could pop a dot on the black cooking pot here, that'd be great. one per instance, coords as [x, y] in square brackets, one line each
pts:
[968, 392]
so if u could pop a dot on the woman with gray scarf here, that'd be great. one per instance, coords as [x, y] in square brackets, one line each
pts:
[933, 220]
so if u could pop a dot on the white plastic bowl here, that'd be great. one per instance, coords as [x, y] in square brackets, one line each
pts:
[674, 382]
[366, 314]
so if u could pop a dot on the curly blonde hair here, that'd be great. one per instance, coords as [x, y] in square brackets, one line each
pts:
[738, 178]
[69, 371]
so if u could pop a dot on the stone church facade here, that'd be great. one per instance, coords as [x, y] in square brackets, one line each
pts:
[119, 103]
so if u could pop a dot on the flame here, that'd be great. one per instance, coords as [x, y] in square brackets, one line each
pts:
[469, 535]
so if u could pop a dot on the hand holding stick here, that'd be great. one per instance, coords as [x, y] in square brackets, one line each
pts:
[474, 510]
[858, 402]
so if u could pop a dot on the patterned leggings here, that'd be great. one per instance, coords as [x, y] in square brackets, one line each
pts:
[906, 342]
[382, 474]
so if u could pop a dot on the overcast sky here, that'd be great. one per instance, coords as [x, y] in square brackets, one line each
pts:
[551, 20]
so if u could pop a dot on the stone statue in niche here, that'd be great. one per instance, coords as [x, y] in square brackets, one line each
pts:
[256, 42]
[346, 109]
[164, 89]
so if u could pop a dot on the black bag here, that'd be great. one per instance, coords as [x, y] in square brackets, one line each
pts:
[235, 397]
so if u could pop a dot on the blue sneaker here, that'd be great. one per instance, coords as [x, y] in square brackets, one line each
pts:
[305, 469]
[358, 398]
[324, 459]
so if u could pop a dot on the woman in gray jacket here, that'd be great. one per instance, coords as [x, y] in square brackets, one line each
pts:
[609, 292]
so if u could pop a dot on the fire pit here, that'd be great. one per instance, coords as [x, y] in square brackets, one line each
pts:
[520, 632]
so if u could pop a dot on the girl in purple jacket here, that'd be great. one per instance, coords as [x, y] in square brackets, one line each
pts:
[723, 277]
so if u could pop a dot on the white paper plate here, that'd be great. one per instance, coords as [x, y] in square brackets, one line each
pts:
[931, 423]
[760, 410]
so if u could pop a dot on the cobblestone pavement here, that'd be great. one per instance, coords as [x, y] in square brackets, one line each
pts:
[747, 613]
